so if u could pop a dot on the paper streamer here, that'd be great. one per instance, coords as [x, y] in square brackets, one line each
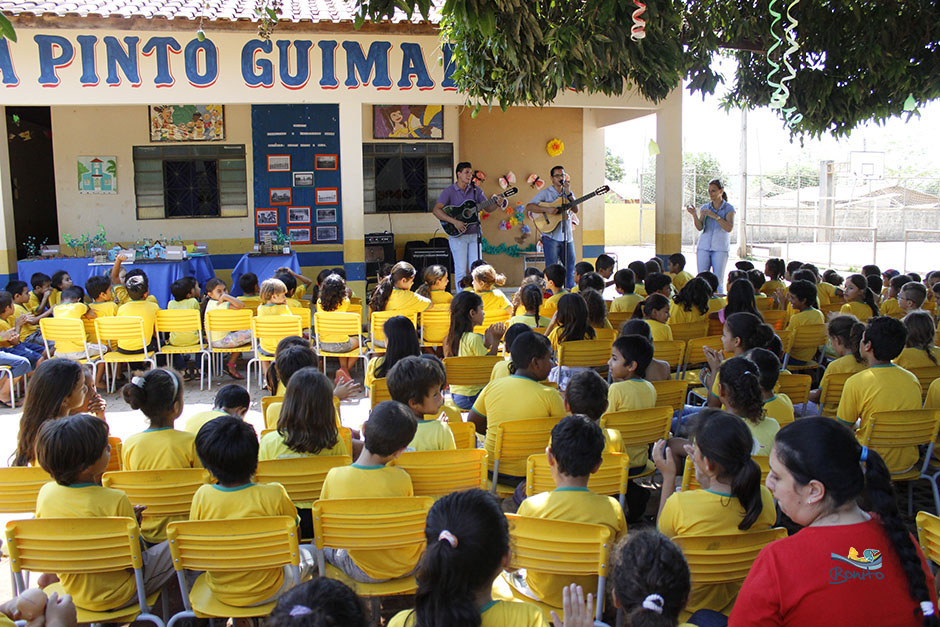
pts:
[638, 30]
[910, 104]
[781, 93]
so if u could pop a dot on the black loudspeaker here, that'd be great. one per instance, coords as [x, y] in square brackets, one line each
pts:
[421, 255]
[380, 249]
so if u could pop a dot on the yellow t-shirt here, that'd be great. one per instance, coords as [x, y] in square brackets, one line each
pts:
[770, 287]
[252, 500]
[529, 320]
[706, 513]
[251, 302]
[5, 326]
[147, 312]
[273, 414]
[494, 300]
[493, 614]
[679, 279]
[800, 319]
[933, 396]
[843, 365]
[826, 293]
[34, 301]
[881, 388]
[550, 304]
[300, 291]
[660, 332]
[196, 421]
[515, 398]
[572, 505]
[627, 395]
[212, 305]
[55, 297]
[273, 447]
[717, 303]
[471, 344]
[406, 302]
[293, 302]
[440, 299]
[160, 449]
[911, 358]
[99, 591]
[858, 309]
[763, 433]
[102, 310]
[891, 307]
[185, 338]
[370, 371]
[678, 314]
[26, 329]
[122, 297]
[73, 311]
[625, 302]
[780, 408]
[500, 370]
[432, 435]
[355, 481]
[641, 290]
[343, 306]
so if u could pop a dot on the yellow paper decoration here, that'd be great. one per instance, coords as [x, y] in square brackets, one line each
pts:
[555, 147]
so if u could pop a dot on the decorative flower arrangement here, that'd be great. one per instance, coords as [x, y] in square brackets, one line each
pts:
[555, 147]
[34, 246]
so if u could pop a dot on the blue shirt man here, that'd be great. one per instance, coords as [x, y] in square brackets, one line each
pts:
[559, 244]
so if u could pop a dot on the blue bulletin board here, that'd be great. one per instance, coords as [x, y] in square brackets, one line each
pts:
[297, 172]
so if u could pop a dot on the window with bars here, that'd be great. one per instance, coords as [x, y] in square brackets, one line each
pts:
[190, 181]
[405, 177]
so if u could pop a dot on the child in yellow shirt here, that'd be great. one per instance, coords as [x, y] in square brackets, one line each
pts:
[230, 400]
[486, 282]
[394, 292]
[332, 297]
[691, 303]
[119, 277]
[658, 283]
[530, 301]
[860, 300]
[301, 284]
[802, 297]
[248, 283]
[40, 294]
[273, 303]
[217, 298]
[677, 271]
[625, 284]
[138, 290]
[24, 317]
[604, 266]
[655, 310]
[418, 383]
[776, 405]
[920, 350]
[60, 282]
[580, 269]
[186, 294]
[845, 334]
[10, 335]
[466, 312]
[71, 306]
[554, 283]
[774, 270]
[435, 287]
[639, 273]
[891, 304]
[596, 309]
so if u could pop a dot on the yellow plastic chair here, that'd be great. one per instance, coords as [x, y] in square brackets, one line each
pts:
[69, 330]
[611, 478]
[671, 393]
[807, 336]
[685, 331]
[830, 308]
[796, 386]
[306, 318]
[764, 304]
[231, 545]
[640, 427]
[435, 323]
[465, 434]
[266, 402]
[688, 471]
[695, 356]
[928, 535]
[608, 335]
[516, 440]
[379, 392]
[19, 487]
[226, 321]
[272, 329]
[715, 326]
[438, 473]
[470, 370]
[118, 328]
[670, 351]
[377, 524]
[560, 547]
[335, 324]
[181, 321]
[617, 318]
[900, 429]
[786, 339]
[491, 317]
[723, 559]
[584, 353]
[377, 322]
[830, 392]
[926, 376]
[64, 546]
[168, 495]
[777, 318]
[302, 477]
[115, 460]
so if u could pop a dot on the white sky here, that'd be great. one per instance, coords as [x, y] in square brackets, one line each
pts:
[910, 146]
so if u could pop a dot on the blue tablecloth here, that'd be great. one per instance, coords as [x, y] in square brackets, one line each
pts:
[263, 266]
[160, 274]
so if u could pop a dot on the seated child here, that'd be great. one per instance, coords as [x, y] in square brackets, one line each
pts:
[587, 395]
[186, 294]
[248, 284]
[435, 287]
[24, 317]
[777, 406]
[486, 282]
[845, 334]
[658, 283]
[802, 296]
[418, 382]
[860, 300]
[228, 448]
[591, 280]
[71, 306]
[75, 451]
[119, 279]
[741, 395]
[555, 283]
[530, 301]
[290, 287]
[332, 297]
[10, 335]
[604, 266]
[501, 368]
[580, 269]
[774, 270]
[466, 312]
[691, 303]
[401, 340]
[625, 283]
[655, 311]
[575, 453]
[389, 429]
[137, 290]
[217, 298]
[98, 288]
[230, 400]
[318, 603]
[920, 350]
[570, 323]
[912, 296]
[301, 284]
[596, 309]
[40, 293]
[60, 282]
[639, 276]
[658, 369]
[55, 390]
[394, 292]
[677, 271]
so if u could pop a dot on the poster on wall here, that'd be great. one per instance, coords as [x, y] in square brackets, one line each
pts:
[298, 215]
[326, 215]
[407, 121]
[97, 175]
[326, 234]
[298, 234]
[187, 123]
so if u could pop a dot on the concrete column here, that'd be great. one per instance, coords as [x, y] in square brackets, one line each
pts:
[592, 169]
[350, 154]
[669, 174]
[7, 229]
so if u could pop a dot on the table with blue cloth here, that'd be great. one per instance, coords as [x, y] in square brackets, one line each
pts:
[160, 274]
[263, 266]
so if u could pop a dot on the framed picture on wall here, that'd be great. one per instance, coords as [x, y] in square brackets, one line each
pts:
[278, 163]
[327, 196]
[265, 217]
[298, 234]
[326, 162]
[303, 179]
[327, 233]
[281, 196]
[407, 122]
[267, 233]
[326, 215]
[298, 215]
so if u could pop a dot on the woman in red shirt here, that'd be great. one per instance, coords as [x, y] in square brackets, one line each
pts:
[850, 566]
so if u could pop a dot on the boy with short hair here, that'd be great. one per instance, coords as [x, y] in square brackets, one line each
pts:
[41, 293]
[639, 276]
[575, 453]
[10, 335]
[883, 386]
[418, 383]
[98, 288]
[119, 278]
[230, 400]
[501, 368]
[248, 283]
[658, 283]
[302, 283]
[891, 305]
[228, 449]
[555, 283]
[24, 315]
[137, 291]
[389, 429]
[625, 283]
[75, 451]
[291, 284]
[587, 394]
[185, 293]
[604, 266]
[71, 306]
[677, 271]
[912, 296]
[580, 269]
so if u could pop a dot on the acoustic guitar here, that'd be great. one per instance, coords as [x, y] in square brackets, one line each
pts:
[469, 212]
[549, 221]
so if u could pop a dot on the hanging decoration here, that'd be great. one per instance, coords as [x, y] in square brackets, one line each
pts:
[778, 99]
[555, 147]
[503, 249]
[479, 176]
[910, 104]
[507, 179]
[653, 148]
[638, 30]
[535, 181]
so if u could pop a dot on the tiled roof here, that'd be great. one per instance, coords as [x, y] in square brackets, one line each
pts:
[217, 10]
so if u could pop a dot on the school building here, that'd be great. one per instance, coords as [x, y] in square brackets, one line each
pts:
[119, 114]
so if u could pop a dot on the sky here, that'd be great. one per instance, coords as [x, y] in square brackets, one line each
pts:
[707, 128]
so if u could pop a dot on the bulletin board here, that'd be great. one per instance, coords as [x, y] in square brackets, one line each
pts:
[297, 173]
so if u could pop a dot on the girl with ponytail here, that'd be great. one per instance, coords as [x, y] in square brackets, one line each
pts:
[920, 352]
[845, 335]
[741, 332]
[321, 602]
[741, 393]
[863, 566]
[394, 292]
[732, 499]
[655, 310]
[530, 299]
[859, 299]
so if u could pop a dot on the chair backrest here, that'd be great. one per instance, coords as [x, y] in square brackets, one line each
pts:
[926, 376]
[715, 326]
[19, 487]
[371, 523]
[516, 440]
[464, 434]
[617, 318]
[689, 330]
[470, 370]
[178, 321]
[492, 316]
[115, 462]
[689, 482]
[608, 335]
[438, 473]
[435, 323]
[670, 351]
[302, 477]
[226, 321]
[724, 558]
[928, 535]
[377, 323]
[830, 308]
[639, 426]
[234, 544]
[584, 353]
[900, 428]
[694, 350]
[273, 329]
[786, 338]
[71, 330]
[808, 336]
[831, 391]
[611, 478]
[336, 324]
[775, 318]
[121, 328]
[306, 318]
[266, 402]
[166, 493]
[379, 392]
[671, 393]
[796, 386]
[764, 304]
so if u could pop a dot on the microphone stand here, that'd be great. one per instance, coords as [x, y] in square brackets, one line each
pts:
[479, 223]
[564, 232]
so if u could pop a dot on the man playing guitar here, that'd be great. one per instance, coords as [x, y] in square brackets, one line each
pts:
[558, 243]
